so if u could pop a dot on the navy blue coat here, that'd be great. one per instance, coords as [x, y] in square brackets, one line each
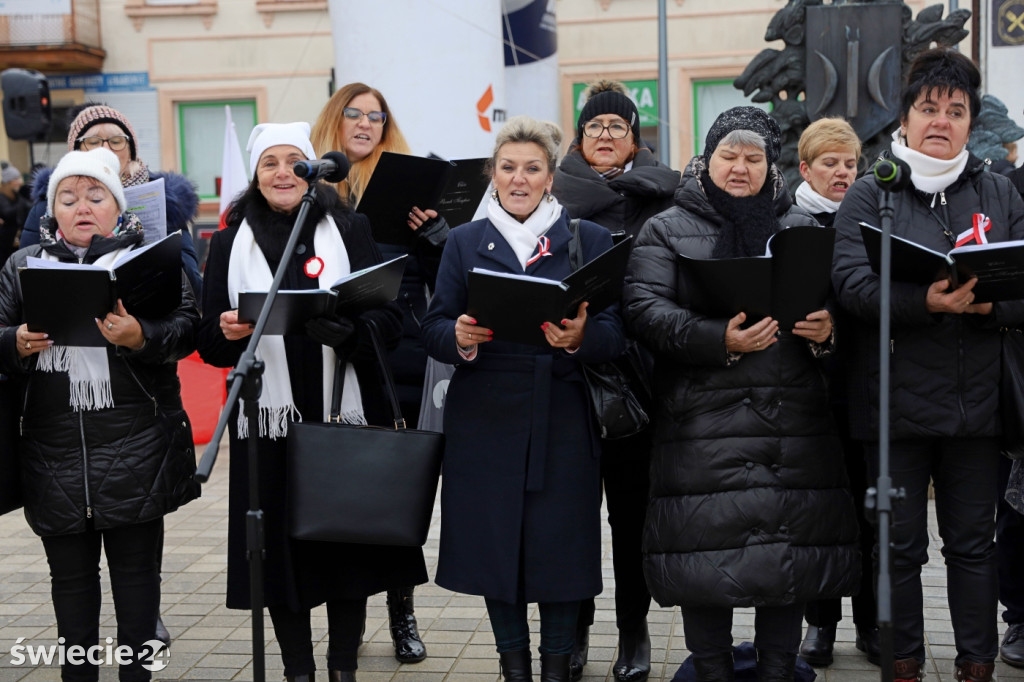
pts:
[521, 498]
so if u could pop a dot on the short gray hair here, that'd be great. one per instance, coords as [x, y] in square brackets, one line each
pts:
[523, 129]
[742, 138]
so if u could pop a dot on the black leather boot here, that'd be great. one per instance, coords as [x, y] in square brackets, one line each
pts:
[867, 641]
[404, 634]
[775, 666]
[580, 651]
[634, 661]
[817, 646]
[515, 666]
[554, 667]
[719, 668]
[341, 676]
[161, 632]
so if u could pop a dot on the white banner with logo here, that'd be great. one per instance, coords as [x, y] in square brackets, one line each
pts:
[440, 66]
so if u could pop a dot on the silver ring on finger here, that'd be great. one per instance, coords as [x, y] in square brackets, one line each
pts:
[28, 345]
[110, 325]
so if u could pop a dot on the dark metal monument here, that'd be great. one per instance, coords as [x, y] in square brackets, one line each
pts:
[843, 59]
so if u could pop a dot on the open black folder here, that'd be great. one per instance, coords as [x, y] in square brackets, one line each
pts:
[65, 299]
[999, 266]
[362, 289]
[399, 182]
[790, 281]
[515, 306]
[463, 191]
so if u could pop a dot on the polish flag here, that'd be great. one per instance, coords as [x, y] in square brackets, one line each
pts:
[233, 178]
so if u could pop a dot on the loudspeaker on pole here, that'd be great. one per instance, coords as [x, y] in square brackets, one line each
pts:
[26, 104]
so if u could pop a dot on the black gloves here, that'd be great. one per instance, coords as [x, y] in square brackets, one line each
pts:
[336, 332]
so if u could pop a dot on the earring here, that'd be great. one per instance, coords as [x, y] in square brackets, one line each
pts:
[494, 193]
[550, 198]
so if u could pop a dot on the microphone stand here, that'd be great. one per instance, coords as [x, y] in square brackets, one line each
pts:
[246, 381]
[879, 499]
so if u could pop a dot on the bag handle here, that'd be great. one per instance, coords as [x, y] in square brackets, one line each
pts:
[384, 370]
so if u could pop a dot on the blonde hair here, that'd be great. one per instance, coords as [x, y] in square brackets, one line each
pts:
[825, 135]
[326, 136]
[523, 129]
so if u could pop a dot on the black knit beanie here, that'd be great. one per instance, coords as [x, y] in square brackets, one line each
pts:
[745, 118]
[610, 102]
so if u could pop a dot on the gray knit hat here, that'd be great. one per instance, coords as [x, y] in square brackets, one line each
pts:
[9, 173]
[745, 118]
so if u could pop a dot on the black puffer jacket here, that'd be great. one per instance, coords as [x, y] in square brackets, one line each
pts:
[945, 368]
[749, 501]
[622, 203]
[117, 466]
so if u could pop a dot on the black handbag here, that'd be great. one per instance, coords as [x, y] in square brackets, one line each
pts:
[619, 390]
[362, 484]
[1011, 393]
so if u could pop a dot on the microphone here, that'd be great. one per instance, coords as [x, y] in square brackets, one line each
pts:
[332, 168]
[892, 175]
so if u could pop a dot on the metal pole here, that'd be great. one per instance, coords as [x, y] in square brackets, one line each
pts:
[664, 144]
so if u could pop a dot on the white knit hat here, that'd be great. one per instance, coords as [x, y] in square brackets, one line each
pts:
[100, 164]
[267, 135]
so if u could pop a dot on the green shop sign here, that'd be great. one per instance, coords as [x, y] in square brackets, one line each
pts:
[643, 93]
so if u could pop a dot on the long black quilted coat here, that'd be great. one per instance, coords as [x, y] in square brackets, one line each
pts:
[749, 501]
[944, 368]
[123, 465]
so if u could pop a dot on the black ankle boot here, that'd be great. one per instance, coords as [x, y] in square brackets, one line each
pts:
[554, 667]
[404, 634]
[634, 661]
[341, 676]
[161, 632]
[719, 668]
[775, 666]
[580, 651]
[818, 644]
[867, 641]
[515, 666]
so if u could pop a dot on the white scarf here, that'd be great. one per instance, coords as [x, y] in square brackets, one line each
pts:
[87, 366]
[806, 197]
[523, 236]
[928, 174]
[248, 271]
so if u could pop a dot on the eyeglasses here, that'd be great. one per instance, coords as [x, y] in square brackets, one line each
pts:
[116, 143]
[377, 118]
[616, 130]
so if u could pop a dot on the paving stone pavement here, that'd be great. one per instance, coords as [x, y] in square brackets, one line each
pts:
[213, 643]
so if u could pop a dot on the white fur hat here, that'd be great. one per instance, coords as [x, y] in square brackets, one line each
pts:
[267, 135]
[100, 164]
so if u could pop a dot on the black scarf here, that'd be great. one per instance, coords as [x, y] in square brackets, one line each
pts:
[747, 222]
[271, 229]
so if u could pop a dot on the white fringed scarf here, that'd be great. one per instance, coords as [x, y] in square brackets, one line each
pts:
[523, 236]
[248, 271]
[87, 366]
[927, 173]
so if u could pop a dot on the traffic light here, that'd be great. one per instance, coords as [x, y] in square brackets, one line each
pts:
[26, 104]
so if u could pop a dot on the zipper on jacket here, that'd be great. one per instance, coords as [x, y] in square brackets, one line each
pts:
[892, 346]
[85, 467]
[942, 197]
[24, 407]
[152, 399]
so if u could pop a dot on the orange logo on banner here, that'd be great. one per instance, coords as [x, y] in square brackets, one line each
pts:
[481, 107]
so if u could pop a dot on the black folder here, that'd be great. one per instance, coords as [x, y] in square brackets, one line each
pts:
[514, 306]
[65, 299]
[463, 191]
[399, 182]
[787, 284]
[362, 289]
[999, 266]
